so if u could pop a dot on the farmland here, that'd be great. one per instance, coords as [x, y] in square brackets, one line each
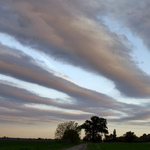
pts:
[32, 145]
[119, 146]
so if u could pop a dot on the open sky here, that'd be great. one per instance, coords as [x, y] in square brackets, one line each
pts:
[63, 60]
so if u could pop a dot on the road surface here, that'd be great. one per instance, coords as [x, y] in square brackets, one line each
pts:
[78, 147]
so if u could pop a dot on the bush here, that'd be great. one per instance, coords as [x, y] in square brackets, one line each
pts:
[129, 137]
[71, 136]
[63, 127]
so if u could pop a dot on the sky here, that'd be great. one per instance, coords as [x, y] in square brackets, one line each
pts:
[63, 60]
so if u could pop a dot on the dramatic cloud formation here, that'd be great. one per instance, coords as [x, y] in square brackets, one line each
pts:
[81, 42]
[136, 17]
[74, 33]
[24, 68]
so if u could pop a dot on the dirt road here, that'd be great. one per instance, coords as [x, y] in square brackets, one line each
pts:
[78, 147]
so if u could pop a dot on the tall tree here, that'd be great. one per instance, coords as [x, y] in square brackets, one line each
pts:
[114, 135]
[94, 129]
[63, 127]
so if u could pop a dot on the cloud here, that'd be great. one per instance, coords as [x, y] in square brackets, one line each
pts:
[16, 97]
[71, 35]
[14, 109]
[20, 96]
[135, 18]
[20, 106]
[26, 115]
[135, 115]
[16, 66]
[21, 66]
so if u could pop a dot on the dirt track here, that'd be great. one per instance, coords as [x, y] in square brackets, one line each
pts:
[78, 147]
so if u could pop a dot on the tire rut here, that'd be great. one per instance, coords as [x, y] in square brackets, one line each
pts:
[78, 147]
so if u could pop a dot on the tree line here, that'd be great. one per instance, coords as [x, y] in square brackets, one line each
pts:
[96, 130]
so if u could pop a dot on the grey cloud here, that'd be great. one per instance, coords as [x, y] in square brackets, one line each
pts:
[139, 115]
[10, 112]
[13, 100]
[20, 96]
[33, 73]
[136, 17]
[68, 34]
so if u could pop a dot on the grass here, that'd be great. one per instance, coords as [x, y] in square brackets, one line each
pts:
[32, 145]
[119, 146]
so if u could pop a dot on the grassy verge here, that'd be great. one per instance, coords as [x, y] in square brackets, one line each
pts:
[32, 145]
[119, 146]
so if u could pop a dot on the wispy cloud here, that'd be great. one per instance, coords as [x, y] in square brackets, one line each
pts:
[72, 37]
[15, 65]
[17, 102]
[73, 33]
[23, 67]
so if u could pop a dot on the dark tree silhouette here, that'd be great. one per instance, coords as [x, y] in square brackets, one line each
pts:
[71, 136]
[129, 136]
[108, 138]
[63, 127]
[145, 138]
[114, 135]
[94, 129]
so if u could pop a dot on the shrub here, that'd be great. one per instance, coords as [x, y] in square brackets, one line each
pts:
[71, 136]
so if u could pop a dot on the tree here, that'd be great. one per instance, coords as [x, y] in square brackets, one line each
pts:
[71, 136]
[129, 136]
[145, 138]
[108, 138]
[94, 129]
[63, 127]
[114, 135]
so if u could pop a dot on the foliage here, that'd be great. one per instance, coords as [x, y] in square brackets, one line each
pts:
[114, 135]
[129, 136]
[63, 127]
[94, 129]
[145, 138]
[118, 146]
[111, 137]
[33, 145]
[71, 136]
[108, 138]
[120, 139]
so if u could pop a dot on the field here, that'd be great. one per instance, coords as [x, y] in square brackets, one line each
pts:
[119, 146]
[49, 145]
[32, 145]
